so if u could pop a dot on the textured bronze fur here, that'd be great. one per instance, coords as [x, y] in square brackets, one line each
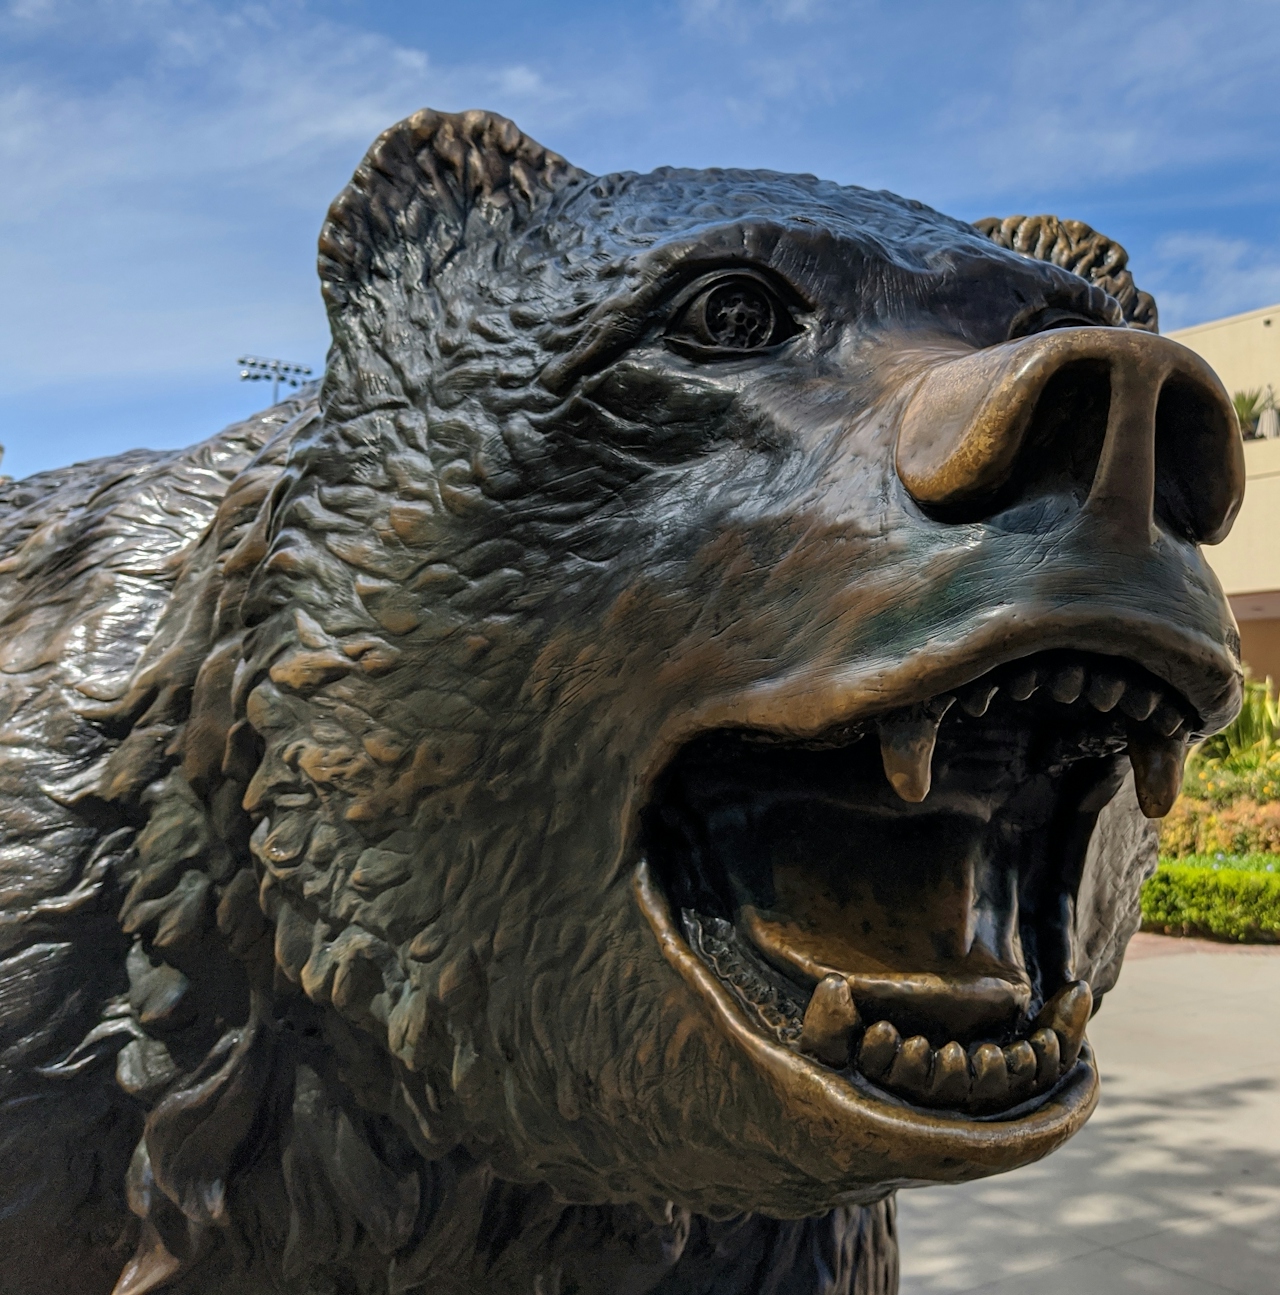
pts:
[325, 745]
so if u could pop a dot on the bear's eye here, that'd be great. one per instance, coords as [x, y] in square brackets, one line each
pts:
[731, 317]
[1048, 318]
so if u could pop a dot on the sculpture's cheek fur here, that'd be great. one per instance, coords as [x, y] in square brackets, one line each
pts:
[442, 816]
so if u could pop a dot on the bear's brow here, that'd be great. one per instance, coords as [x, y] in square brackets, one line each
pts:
[797, 253]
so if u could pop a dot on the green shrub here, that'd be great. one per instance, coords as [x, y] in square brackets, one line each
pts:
[1228, 898]
[1249, 406]
[1219, 871]
[1255, 861]
[1219, 782]
[1201, 827]
[1244, 759]
[1254, 732]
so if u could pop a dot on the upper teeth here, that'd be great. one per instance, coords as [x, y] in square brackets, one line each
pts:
[907, 739]
[1155, 740]
[1104, 691]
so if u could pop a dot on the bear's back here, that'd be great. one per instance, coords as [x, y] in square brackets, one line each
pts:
[89, 556]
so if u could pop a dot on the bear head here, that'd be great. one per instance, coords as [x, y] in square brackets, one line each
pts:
[700, 687]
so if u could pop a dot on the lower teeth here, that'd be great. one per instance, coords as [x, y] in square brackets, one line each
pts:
[984, 1077]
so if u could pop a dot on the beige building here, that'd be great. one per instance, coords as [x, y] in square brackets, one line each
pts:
[1245, 352]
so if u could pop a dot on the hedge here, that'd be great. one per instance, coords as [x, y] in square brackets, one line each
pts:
[1225, 897]
[1219, 872]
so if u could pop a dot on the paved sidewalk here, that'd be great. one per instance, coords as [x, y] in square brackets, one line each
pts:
[1173, 1186]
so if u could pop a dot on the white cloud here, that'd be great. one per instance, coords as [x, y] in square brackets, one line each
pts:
[1056, 97]
[144, 214]
[738, 20]
[1199, 276]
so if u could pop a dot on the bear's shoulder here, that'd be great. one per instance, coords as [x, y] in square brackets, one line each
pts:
[90, 556]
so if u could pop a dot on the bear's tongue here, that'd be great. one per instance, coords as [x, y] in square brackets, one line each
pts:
[916, 909]
[921, 989]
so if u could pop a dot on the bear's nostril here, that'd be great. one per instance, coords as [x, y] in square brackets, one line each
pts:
[1194, 497]
[1063, 442]
[1020, 421]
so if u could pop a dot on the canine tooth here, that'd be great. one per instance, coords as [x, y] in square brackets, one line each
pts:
[829, 1023]
[1022, 685]
[977, 699]
[1104, 691]
[1157, 772]
[1066, 1014]
[1067, 684]
[907, 740]
[1138, 702]
[1166, 719]
[990, 1076]
[879, 1047]
[1044, 1043]
[950, 1085]
[1020, 1060]
[912, 1066]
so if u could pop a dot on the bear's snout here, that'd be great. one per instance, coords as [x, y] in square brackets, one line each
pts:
[1136, 426]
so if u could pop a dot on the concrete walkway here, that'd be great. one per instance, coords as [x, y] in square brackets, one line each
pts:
[1173, 1186]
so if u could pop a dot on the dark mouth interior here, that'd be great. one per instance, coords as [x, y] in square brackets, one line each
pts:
[916, 939]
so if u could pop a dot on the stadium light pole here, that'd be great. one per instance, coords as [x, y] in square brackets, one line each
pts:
[253, 368]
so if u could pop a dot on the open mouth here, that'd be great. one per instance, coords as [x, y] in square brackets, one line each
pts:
[893, 899]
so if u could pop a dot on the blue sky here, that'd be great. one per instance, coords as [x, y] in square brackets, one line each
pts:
[165, 164]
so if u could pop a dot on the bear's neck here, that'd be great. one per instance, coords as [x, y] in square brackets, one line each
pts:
[484, 1227]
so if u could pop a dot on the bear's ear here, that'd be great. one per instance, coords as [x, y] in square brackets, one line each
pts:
[1079, 248]
[423, 185]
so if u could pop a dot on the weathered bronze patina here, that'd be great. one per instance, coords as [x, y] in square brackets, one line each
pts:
[655, 754]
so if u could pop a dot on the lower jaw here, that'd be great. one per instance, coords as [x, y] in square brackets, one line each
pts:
[850, 1138]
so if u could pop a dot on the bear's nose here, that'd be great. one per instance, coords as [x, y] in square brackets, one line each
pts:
[1136, 426]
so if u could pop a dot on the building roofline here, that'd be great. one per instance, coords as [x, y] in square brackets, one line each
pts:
[1228, 319]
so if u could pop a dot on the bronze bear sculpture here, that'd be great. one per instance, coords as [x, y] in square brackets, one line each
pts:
[654, 755]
